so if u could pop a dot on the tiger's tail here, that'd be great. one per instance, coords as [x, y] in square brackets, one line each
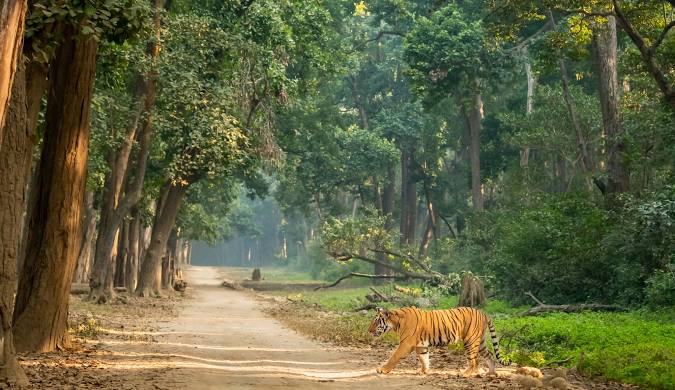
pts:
[495, 343]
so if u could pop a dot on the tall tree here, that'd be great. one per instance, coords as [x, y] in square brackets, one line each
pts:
[55, 229]
[12, 16]
[55, 215]
[12, 204]
[449, 55]
[605, 42]
[121, 193]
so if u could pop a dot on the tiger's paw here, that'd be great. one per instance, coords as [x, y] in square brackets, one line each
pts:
[422, 371]
[383, 370]
[468, 373]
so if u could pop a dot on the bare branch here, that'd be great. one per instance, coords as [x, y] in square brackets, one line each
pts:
[534, 298]
[414, 275]
[358, 275]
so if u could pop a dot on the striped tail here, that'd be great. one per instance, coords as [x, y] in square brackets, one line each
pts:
[495, 343]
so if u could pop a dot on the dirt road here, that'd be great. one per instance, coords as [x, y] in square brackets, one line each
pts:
[222, 340]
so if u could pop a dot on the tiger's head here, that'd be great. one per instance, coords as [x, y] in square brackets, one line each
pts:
[381, 323]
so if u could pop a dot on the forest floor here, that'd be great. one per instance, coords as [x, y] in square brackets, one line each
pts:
[216, 338]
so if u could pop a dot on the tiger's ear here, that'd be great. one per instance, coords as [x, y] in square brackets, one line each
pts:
[383, 311]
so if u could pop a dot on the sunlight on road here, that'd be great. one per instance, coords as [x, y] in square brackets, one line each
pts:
[219, 348]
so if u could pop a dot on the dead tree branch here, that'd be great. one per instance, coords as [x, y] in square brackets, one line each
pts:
[543, 308]
[357, 275]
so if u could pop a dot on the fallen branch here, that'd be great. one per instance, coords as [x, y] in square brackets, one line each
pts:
[540, 303]
[367, 306]
[383, 297]
[357, 275]
[231, 284]
[542, 309]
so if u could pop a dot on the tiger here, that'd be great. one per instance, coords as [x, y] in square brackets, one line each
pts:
[420, 329]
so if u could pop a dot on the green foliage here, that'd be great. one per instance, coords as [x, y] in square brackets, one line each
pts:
[632, 347]
[351, 235]
[114, 21]
[445, 51]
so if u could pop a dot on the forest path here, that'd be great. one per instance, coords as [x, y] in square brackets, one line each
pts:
[221, 339]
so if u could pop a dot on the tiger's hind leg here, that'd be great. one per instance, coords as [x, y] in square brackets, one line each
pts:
[472, 354]
[423, 359]
[484, 352]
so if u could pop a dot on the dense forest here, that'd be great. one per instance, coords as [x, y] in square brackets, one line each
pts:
[527, 143]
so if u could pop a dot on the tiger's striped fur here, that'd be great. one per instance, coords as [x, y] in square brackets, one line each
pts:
[420, 329]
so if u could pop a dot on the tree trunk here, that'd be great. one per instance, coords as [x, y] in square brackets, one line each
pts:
[17, 143]
[150, 277]
[388, 193]
[529, 108]
[169, 259]
[586, 162]
[474, 115]
[117, 204]
[604, 37]
[55, 227]
[84, 259]
[122, 256]
[12, 15]
[135, 230]
[408, 197]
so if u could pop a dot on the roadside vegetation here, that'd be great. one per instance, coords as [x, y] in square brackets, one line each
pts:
[636, 347]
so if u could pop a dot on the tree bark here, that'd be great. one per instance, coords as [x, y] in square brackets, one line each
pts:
[12, 16]
[55, 227]
[529, 108]
[604, 37]
[474, 116]
[84, 259]
[16, 143]
[388, 193]
[150, 277]
[408, 196]
[169, 259]
[36, 86]
[135, 243]
[122, 256]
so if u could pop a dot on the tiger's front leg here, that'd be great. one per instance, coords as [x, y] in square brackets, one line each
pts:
[401, 352]
[423, 359]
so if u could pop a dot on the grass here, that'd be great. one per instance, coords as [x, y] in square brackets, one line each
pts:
[635, 347]
[628, 347]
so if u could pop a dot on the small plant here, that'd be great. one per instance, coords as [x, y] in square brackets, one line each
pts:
[86, 329]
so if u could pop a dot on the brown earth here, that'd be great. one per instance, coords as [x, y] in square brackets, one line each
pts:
[216, 338]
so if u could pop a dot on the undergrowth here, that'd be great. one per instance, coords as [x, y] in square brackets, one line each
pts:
[636, 347]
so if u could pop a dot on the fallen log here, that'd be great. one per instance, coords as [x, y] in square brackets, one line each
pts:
[382, 297]
[367, 306]
[232, 285]
[543, 308]
[574, 308]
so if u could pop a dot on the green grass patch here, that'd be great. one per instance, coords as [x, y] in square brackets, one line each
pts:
[628, 347]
